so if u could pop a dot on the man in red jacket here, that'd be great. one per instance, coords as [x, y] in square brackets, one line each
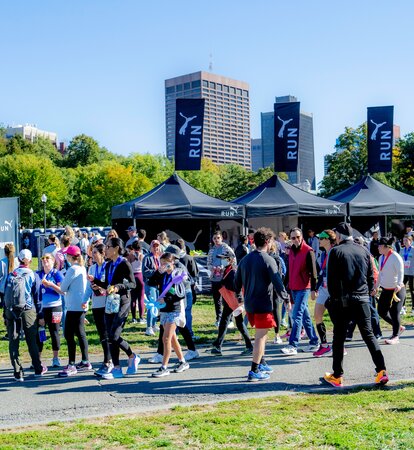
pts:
[302, 282]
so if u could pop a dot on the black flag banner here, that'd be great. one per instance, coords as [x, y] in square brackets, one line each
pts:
[287, 117]
[189, 117]
[380, 138]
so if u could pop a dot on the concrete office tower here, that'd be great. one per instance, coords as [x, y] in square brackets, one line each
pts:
[226, 136]
[306, 165]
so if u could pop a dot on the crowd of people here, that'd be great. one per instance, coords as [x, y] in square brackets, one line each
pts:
[266, 281]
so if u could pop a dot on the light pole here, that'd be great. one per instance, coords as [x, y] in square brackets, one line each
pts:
[31, 217]
[44, 200]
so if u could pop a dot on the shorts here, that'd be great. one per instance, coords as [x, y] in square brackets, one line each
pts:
[262, 320]
[323, 295]
[172, 317]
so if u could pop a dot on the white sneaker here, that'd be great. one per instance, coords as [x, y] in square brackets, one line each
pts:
[149, 332]
[289, 350]
[156, 328]
[191, 354]
[403, 311]
[310, 348]
[277, 340]
[230, 326]
[156, 359]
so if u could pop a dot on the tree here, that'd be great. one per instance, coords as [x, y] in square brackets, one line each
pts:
[45, 147]
[404, 164]
[206, 180]
[83, 150]
[156, 168]
[235, 181]
[17, 145]
[28, 177]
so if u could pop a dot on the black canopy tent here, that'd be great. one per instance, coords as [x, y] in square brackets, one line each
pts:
[169, 204]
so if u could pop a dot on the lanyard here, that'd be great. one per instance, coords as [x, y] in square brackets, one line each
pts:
[384, 260]
[156, 261]
[99, 271]
[406, 253]
[112, 268]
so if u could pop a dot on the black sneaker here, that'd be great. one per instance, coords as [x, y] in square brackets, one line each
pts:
[161, 372]
[18, 376]
[83, 366]
[181, 366]
[216, 351]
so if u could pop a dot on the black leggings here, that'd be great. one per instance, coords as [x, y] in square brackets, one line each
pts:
[51, 315]
[218, 301]
[277, 314]
[185, 333]
[410, 280]
[75, 326]
[114, 325]
[390, 312]
[99, 317]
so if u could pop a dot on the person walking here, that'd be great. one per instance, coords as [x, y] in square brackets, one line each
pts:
[391, 282]
[350, 283]
[257, 274]
[302, 278]
[407, 253]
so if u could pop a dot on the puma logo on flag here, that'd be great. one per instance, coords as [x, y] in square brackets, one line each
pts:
[282, 128]
[185, 125]
[377, 127]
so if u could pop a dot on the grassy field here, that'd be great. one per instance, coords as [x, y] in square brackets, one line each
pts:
[361, 419]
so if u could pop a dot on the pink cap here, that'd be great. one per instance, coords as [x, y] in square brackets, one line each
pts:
[72, 250]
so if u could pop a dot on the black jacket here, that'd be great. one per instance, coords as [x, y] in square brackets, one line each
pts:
[349, 272]
[123, 278]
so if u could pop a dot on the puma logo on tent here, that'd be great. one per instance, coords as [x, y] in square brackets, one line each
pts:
[185, 125]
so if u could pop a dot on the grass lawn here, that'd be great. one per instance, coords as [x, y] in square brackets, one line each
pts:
[360, 419]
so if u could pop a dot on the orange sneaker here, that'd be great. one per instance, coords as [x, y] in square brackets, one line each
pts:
[333, 381]
[381, 377]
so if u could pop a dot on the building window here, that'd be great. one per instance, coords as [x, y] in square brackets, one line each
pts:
[196, 84]
[170, 90]
[179, 87]
[187, 86]
[205, 83]
[225, 88]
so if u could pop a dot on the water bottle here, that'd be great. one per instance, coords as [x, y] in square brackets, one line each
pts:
[42, 334]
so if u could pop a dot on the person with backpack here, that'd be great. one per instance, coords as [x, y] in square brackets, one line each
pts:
[20, 314]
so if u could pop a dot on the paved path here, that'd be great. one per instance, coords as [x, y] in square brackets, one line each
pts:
[210, 379]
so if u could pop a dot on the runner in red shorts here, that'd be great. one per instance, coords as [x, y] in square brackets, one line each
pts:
[257, 273]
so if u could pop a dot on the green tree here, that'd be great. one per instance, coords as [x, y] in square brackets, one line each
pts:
[45, 147]
[28, 177]
[17, 145]
[83, 150]
[206, 180]
[404, 164]
[235, 181]
[156, 168]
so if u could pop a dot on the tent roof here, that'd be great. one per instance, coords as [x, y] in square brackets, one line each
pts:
[174, 198]
[276, 197]
[371, 197]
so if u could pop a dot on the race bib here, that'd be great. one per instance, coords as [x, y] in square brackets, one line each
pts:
[407, 264]
[56, 317]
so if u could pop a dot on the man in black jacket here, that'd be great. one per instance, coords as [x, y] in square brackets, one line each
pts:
[350, 283]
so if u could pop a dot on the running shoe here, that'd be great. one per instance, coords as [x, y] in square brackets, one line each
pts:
[133, 321]
[216, 351]
[289, 350]
[323, 351]
[230, 326]
[104, 370]
[18, 376]
[83, 366]
[191, 354]
[149, 332]
[156, 359]
[68, 371]
[378, 338]
[348, 339]
[56, 362]
[333, 381]
[286, 335]
[217, 323]
[41, 373]
[133, 365]
[246, 351]
[161, 372]
[310, 348]
[142, 321]
[117, 372]
[181, 366]
[403, 311]
[277, 340]
[381, 377]
[402, 329]
[265, 368]
[257, 376]
[156, 328]
[392, 341]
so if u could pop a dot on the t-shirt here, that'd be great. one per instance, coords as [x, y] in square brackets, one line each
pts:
[74, 285]
[48, 296]
[98, 301]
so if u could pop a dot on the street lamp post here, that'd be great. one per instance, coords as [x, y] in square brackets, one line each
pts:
[31, 217]
[44, 200]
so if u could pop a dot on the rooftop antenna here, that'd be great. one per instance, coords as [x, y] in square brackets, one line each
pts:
[210, 65]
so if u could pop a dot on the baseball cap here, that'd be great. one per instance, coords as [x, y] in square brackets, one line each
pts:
[132, 229]
[155, 242]
[323, 235]
[72, 250]
[97, 238]
[343, 228]
[25, 254]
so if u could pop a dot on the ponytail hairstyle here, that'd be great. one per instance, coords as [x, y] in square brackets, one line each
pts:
[9, 251]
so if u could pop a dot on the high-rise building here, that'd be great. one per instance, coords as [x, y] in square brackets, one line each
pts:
[306, 163]
[226, 134]
[257, 154]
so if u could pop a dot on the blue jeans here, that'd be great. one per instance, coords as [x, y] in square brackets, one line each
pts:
[152, 294]
[188, 311]
[301, 316]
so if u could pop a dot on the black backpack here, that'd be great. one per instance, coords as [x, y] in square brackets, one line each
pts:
[15, 291]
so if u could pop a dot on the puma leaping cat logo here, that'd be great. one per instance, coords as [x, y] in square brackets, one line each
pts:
[187, 120]
[282, 128]
[377, 127]
[8, 223]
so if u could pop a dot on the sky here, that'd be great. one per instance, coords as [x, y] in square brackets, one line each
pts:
[98, 67]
